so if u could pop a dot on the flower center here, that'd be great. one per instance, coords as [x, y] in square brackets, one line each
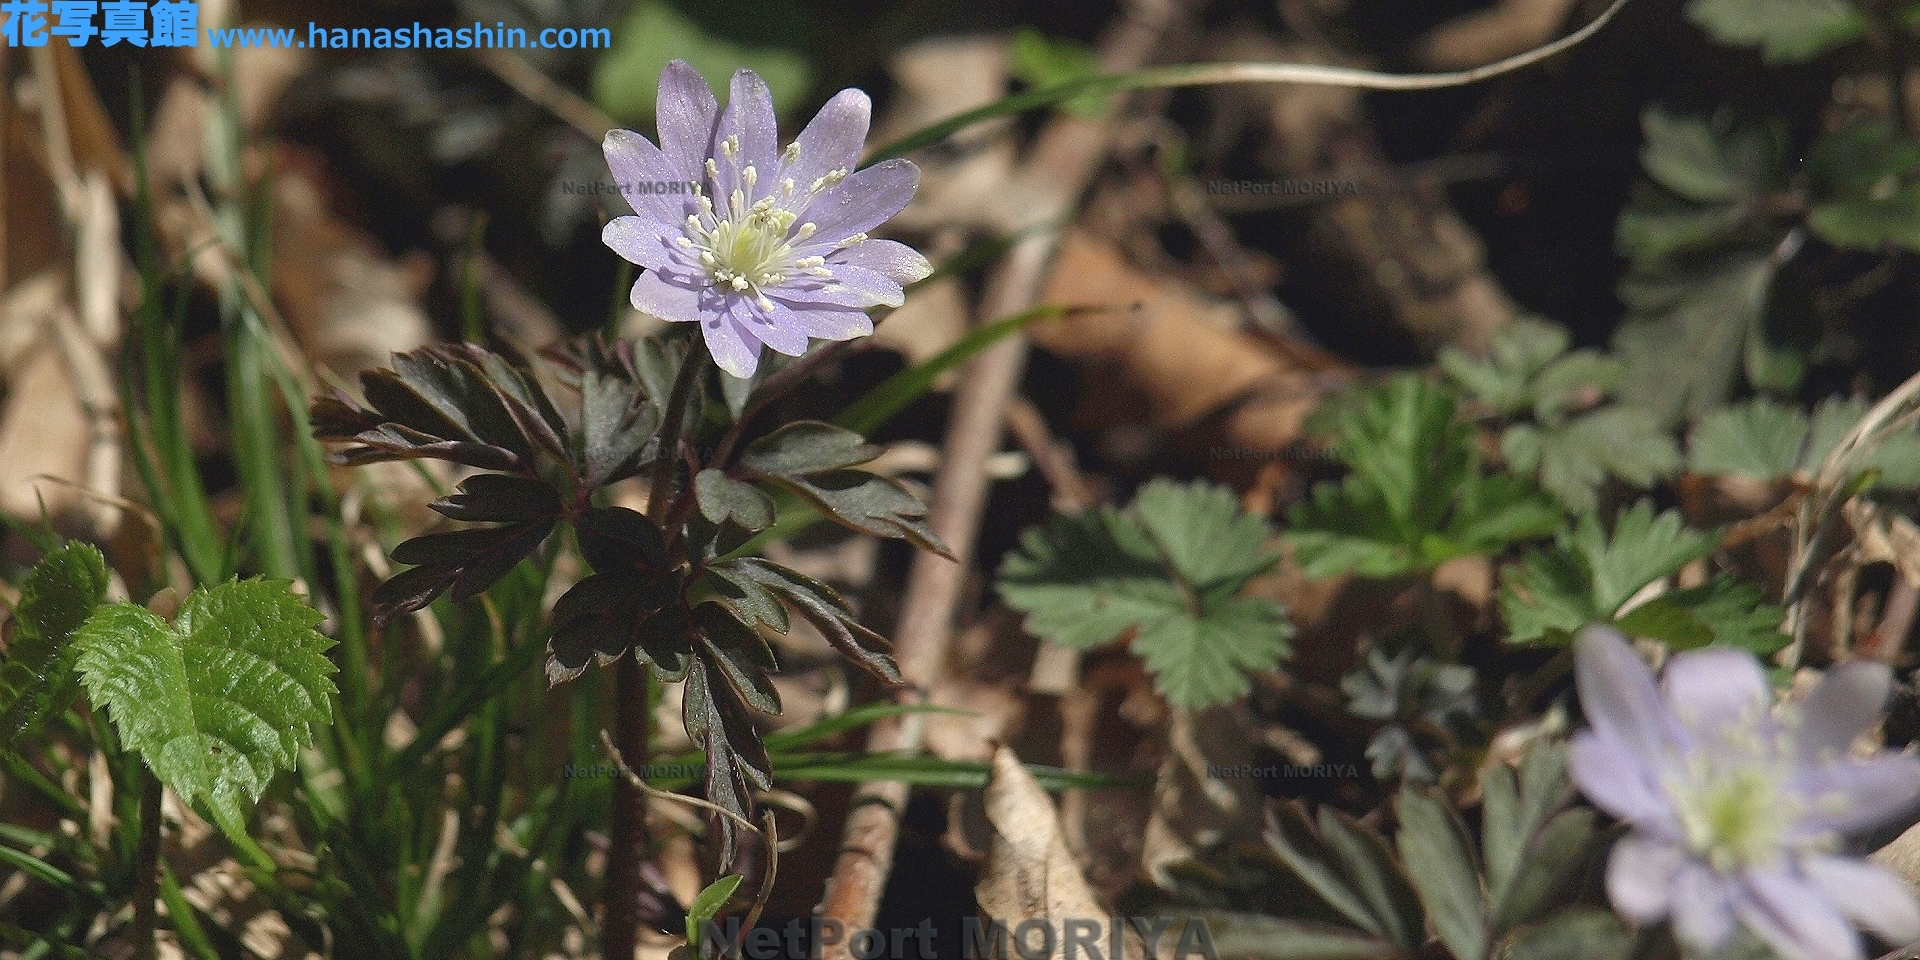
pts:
[749, 247]
[1736, 818]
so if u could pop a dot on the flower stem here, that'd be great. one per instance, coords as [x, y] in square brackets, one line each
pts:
[146, 866]
[627, 853]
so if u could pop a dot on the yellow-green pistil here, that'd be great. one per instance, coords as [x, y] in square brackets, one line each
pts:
[748, 248]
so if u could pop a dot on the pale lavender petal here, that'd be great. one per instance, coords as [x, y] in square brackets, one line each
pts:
[640, 241]
[654, 296]
[735, 349]
[765, 325]
[637, 165]
[1702, 913]
[1711, 689]
[864, 200]
[749, 116]
[832, 141]
[823, 323]
[1850, 796]
[1842, 707]
[1618, 695]
[1620, 783]
[850, 287]
[1793, 918]
[895, 261]
[1868, 894]
[685, 111]
[1640, 875]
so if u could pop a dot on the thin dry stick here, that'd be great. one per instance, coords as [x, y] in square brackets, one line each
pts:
[1056, 668]
[1063, 163]
[537, 87]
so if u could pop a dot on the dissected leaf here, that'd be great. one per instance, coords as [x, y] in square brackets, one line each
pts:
[36, 677]
[218, 700]
[722, 499]
[753, 589]
[1348, 866]
[1865, 191]
[717, 718]
[1415, 496]
[465, 562]
[1446, 878]
[1503, 380]
[1576, 934]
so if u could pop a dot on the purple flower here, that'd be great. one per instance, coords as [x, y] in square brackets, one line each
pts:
[1737, 811]
[759, 244]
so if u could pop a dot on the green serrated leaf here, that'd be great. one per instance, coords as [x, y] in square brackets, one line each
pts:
[1085, 579]
[220, 699]
[1415, 497]
[1589, 574]
[1720, 160]
[1204, 661]
[1502, 381]
[1686, 334]
[1168, 569]
[1759, 438]
[1201, 532]
[1575, 458]
[1574, 934]
[1447, 879]
[37, 677]
[1786, 31]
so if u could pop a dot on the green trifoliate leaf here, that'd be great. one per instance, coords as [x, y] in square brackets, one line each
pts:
[218, 700]
[1786, 31]
[1201, 532]
[1169, 569]
[1574, 458]
[1502, 381]
[1863, 181]
[1589, 575]
[37, 677]
[1711, 161]
[1688, 333]
[1760, 438]
[1765, 440]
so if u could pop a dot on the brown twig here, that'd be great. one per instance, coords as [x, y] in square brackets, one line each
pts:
[556, 99]
[1062, 163]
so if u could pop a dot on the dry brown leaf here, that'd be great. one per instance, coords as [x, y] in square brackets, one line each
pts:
[1030, 873]
[1181, 346]
[1515, 26]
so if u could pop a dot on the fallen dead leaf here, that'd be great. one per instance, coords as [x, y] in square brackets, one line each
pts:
[1030, 873]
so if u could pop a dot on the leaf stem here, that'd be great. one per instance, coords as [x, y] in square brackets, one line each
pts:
[147, 865]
